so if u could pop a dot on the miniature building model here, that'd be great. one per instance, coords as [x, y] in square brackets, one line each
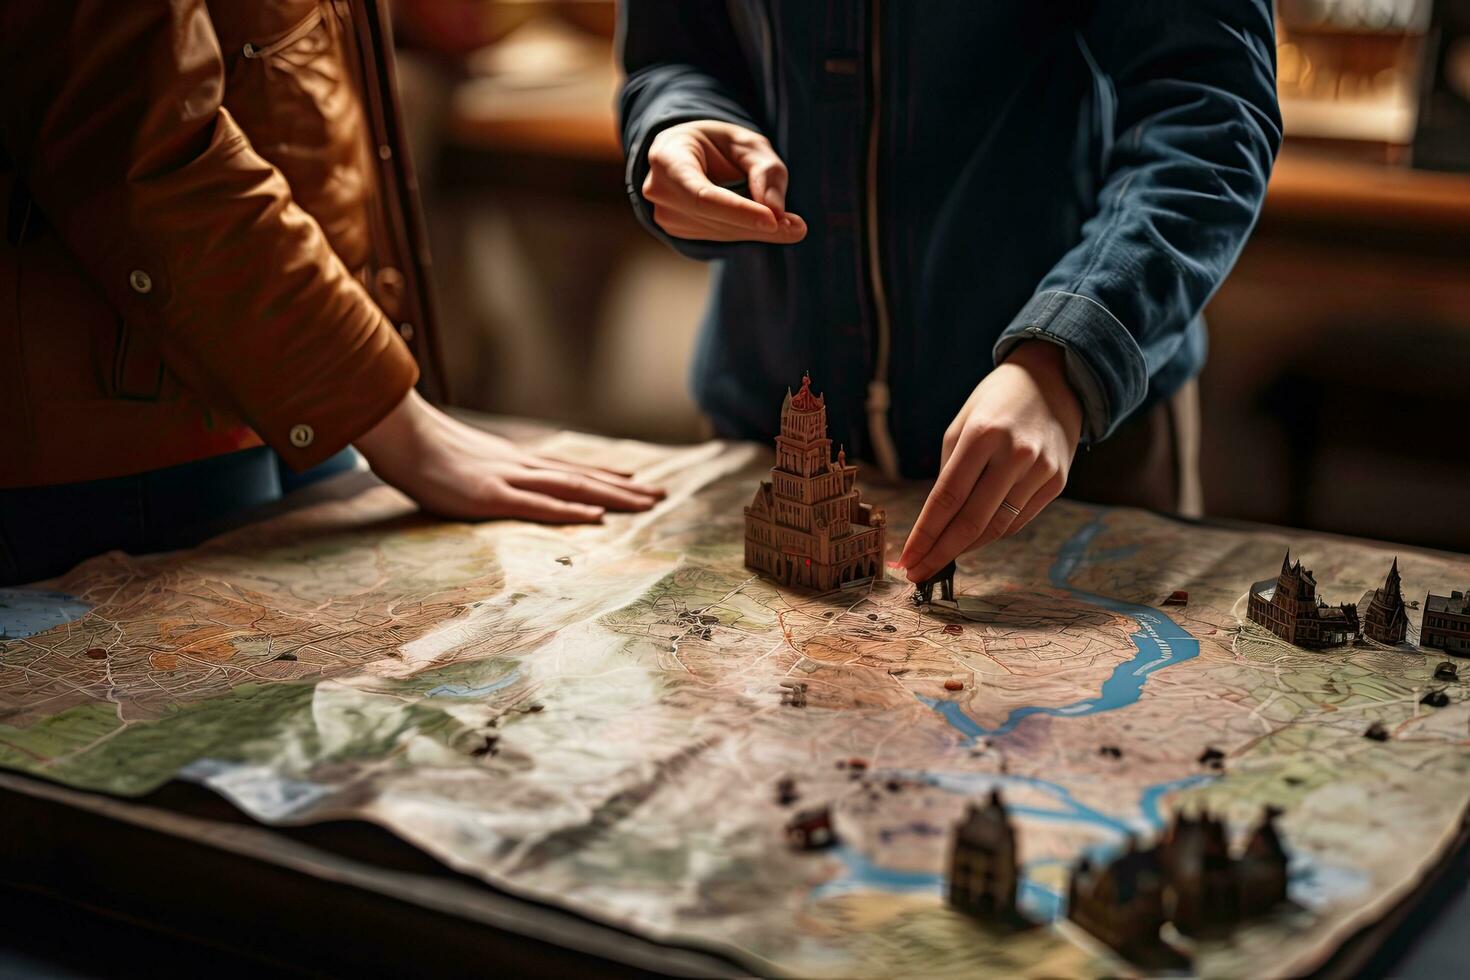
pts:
[1289, 607]
[811, 830]
[1446, 624]
[1199, 872]
[1384, 617]
[944, 578]
[1260, 872]
[1189, 878]
[1121, 902]
[982, 862]
[807, 525]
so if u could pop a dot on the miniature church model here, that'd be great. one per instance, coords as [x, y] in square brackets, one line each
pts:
[1289, 607]
[1121, 901]
[1190, 878]
[1384, 617]
[808, 525]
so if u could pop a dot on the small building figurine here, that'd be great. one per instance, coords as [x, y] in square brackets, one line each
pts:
[1384, 617]
[1290, 608]
[811, 830]
[786, 791]
[808, 526]
[1446, 624]
[1261, 871]
[982, 862]
[1189, 878]
[1120, 902]
[944, 578]
[1200, 874]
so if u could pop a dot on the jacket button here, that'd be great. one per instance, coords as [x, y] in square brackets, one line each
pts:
[141, 281]
[301, 436]
[405, 330]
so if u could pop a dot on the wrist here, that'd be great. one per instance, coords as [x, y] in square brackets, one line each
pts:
[1046, 364]
[397, 428]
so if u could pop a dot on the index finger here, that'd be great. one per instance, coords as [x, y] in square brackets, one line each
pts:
[709, 200]
[950, 492]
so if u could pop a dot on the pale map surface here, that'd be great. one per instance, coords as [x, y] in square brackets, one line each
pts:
[349, 661]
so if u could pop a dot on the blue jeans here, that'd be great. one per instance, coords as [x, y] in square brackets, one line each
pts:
[44, 531]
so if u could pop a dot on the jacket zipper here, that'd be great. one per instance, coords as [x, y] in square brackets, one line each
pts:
[884, 453]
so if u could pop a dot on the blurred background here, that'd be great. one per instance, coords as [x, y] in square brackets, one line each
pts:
[1337, 396]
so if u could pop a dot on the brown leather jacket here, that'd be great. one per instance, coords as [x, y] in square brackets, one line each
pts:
[211, 232]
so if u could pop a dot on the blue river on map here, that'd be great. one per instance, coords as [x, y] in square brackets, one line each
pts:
[1159, 642]
[466, 691]
[26, 612]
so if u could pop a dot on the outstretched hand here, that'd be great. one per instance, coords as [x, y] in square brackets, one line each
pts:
[1005, 457]
[688, 162]
[455, 470]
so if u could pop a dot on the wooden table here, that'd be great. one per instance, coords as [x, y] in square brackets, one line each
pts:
[182, 874]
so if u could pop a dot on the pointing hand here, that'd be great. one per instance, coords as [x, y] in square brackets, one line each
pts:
[1005, 457]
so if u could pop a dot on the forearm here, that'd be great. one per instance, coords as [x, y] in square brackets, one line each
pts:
[191, 235]
[682, 65]
[1198, 130]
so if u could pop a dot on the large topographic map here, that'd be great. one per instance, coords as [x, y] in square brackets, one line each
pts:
[594, 716]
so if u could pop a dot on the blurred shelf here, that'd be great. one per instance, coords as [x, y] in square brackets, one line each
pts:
[1320, 187]
[557, 134]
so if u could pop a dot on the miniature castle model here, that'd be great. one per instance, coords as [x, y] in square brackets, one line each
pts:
[1384, 617]
[1446, 624]
[1289, 607]
[811, 830]
[1207, 887]
[1188, 878]
[982, 862]
[807, 525]
[1121, 902]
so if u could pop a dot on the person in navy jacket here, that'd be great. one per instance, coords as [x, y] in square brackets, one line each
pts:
[987, 229]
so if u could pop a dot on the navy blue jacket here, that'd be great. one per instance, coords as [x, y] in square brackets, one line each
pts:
[1079, 171]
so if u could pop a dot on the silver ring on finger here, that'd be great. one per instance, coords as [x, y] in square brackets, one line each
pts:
[1007, 505]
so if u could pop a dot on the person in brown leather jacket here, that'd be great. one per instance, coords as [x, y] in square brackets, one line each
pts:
[212, 242]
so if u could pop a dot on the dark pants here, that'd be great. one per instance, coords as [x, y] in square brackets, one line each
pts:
[44, 531]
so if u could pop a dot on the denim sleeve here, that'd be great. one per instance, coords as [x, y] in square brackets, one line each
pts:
[1189, 88]
[682, 62]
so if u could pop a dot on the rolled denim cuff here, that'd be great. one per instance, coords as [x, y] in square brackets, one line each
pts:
[1104, 364]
